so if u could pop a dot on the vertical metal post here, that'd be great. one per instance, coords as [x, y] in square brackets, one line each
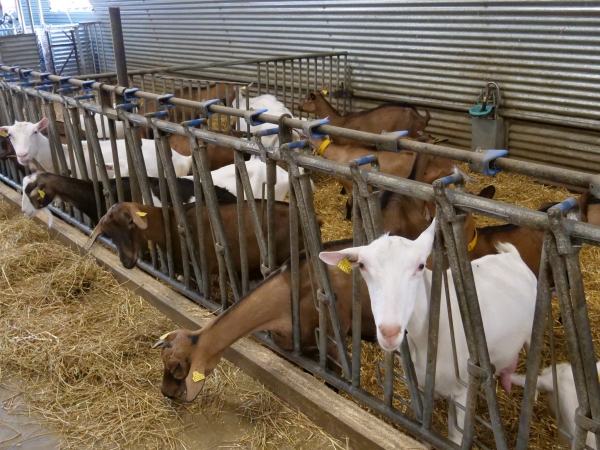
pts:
[31, 24]
[119, 46]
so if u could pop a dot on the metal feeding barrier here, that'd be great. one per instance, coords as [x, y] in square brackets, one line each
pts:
[25, 93]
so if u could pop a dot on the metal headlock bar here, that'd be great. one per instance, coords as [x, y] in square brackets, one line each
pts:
[24, 93]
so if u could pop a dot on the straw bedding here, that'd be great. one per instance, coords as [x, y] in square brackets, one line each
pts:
[511, 188]
[79, 344]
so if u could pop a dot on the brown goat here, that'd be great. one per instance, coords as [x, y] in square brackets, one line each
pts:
[405, 164]
[590, 208]
[131, 225]
[387, 117]
[192, 355]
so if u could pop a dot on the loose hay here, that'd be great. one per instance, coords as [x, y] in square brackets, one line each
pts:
[80, 345]
[510, 188]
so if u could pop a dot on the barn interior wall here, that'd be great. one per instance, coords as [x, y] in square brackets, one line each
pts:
[435, 54]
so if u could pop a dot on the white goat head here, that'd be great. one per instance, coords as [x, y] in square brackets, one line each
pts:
[393, 268]
[26, 138]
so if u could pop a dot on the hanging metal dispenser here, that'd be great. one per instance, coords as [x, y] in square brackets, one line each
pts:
[488, 130]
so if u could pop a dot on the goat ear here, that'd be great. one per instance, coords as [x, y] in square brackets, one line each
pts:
[427, 236]
[334, 258]
[42, 124]
[194, 382]
[97, 232]
[109, 166]
[487, 192]
[138, 216]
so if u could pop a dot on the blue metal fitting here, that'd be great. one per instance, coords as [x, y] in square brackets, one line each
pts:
[389, 141]
[129, 106]
[455, 178]
[14, 68]
[27, 73]
[369, 159]
[268, 132]
[7, 74]
[156, 114]
[251, 115]
[160, 101]
[568, 204]
[481, 161]
[84, 97]
[297, 144]
[204, 110]
[44, 87]
[127, 94]
[27, 83]
[44, 76]
[86, 86]
[193, 123]
[309, 127]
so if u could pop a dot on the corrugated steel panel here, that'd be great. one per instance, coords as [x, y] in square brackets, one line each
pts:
[434, 53]
[64, 52]
[53, 17]
[20, 49]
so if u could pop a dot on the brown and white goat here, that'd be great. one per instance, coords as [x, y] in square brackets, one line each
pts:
[387, 117]
[131, 225]
[190, 356]
[43, 188]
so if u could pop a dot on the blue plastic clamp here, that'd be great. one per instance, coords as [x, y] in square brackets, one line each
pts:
[193, 123]
[481, 160]
[401, 133]
[160, 101]
[44, 76]
[14, 68]
[27, 73]
[297, 144]
[27, 83]
[156, 114]
[568, 204]
[204, 110]
[85, 96]
[86, 86]
[269, 132]
[129, 106]
[451, 179]
[44, 87]
[127, 94]
[250, 116]
[309, 127]
[369, 159]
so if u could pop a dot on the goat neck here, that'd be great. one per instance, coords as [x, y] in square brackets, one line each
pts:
[325, 110]
[194, 355]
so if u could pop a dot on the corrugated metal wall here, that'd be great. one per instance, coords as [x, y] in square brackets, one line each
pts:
[52, 17]
[434, 53]
[20, 49]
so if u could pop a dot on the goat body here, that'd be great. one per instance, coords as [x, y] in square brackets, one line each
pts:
[387, 117]
[43, 188]
[567, 397]
[506, 290]
[116, 224]
[267, 307]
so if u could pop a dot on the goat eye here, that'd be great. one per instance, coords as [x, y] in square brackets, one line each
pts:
[421, 266]
[361, 265]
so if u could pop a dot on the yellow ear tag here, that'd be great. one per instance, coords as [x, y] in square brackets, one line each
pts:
[164, 336]
[345, 265]
[3, 133]
[197, 376]
[324, 92]
[42, 193]
[141, 214]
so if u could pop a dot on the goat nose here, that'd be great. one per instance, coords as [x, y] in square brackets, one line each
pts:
[390, 331]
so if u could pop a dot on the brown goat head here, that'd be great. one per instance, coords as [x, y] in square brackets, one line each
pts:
[309, 104]
[185, 364]
[124, 224]
[40, 195]
[590, 208]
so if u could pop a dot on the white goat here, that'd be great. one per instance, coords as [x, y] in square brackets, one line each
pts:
[30, 143]
[399, 286]
[103, 133]
[273, 106]
[182, 164]
[257, 172]
[567, 397]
